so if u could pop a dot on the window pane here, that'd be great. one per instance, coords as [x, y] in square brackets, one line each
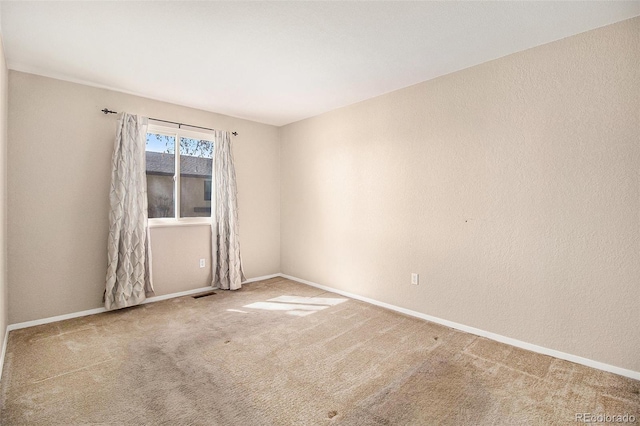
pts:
[195, 177]
[161, 167]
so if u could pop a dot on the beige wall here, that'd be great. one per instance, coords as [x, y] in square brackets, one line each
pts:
[4, 300]
[512, 188]
[59, 152]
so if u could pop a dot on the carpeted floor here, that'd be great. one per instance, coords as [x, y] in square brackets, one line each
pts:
[306, 358]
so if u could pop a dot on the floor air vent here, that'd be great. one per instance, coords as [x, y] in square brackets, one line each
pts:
[209, 293]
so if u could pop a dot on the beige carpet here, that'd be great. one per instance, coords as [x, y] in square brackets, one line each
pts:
[239, 358]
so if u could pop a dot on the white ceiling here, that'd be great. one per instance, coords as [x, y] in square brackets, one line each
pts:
[279, 62]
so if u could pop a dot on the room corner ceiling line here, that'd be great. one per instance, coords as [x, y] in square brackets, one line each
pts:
[108, 111]
[482, 333]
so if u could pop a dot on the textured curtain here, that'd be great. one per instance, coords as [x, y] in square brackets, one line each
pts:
[128, 263]
[225, 247]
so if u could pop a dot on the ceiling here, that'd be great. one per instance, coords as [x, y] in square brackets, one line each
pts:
[279, 62]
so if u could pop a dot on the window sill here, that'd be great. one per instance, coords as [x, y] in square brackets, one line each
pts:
[168, 223]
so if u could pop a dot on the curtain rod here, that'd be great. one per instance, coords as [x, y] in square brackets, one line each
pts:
[108, 111]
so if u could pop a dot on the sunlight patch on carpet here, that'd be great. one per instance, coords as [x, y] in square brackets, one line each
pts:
[296, 305]
[330, 301]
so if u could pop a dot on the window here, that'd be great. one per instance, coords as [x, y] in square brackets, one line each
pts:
[179, 164]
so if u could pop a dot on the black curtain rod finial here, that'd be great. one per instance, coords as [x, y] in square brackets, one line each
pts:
[234, 133]
[108, 111]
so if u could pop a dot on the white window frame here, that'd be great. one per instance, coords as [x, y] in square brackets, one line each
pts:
[177, 133]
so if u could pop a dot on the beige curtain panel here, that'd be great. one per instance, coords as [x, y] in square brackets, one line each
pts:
[128, 277]
[226, 262]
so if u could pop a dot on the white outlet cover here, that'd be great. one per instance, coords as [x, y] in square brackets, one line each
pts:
[414, 279]
[202, 263]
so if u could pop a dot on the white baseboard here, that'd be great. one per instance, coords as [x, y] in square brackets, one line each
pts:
[262, 278]
[57, 318]
[88, 312]
[4, 351]
[489, 335]
[173, 295]
[152, 299]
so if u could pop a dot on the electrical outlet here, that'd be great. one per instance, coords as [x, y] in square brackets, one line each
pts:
[202, 263]
[414, 279]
